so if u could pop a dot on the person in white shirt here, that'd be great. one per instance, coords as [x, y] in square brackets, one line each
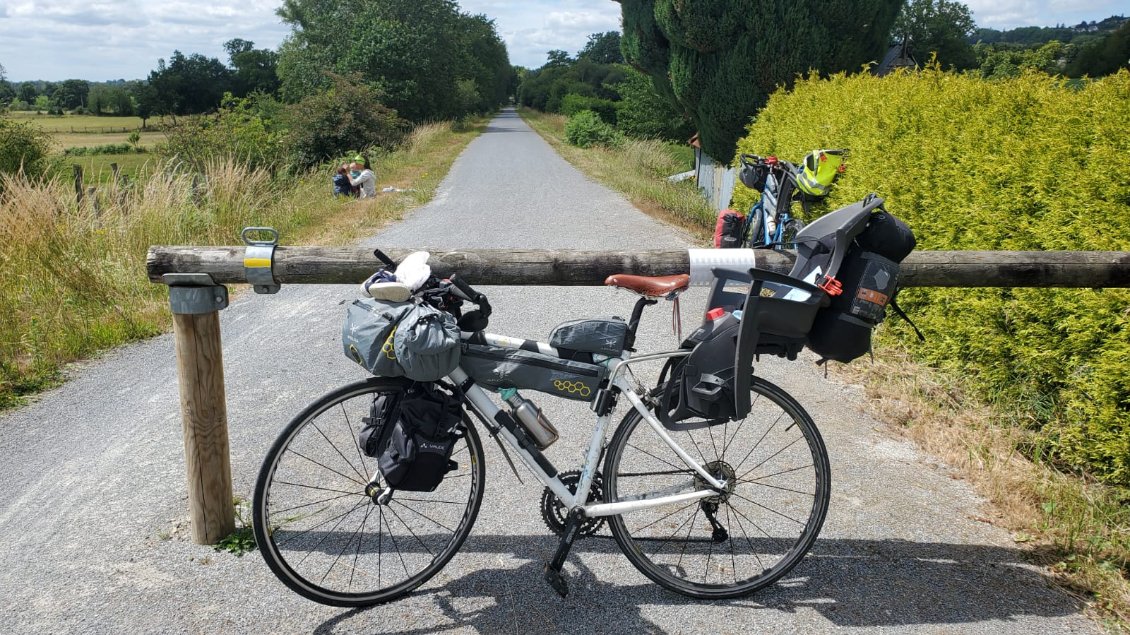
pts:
[362, 177]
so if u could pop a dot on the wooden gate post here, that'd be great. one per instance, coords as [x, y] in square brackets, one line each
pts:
[196, 301]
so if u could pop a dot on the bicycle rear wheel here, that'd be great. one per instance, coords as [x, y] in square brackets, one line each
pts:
[745, 538]
[325, 538]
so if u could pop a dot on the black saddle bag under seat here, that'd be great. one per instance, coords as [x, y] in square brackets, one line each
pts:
[604, 336]
[500, 367]
[426, 426]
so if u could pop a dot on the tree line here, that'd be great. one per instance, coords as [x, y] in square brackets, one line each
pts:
[708, 67]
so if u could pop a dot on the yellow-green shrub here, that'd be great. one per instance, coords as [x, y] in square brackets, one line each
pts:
[1028, 164]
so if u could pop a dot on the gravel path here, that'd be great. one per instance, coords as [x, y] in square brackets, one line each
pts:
[93, 517]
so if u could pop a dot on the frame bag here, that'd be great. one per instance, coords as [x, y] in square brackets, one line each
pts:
[418, 436]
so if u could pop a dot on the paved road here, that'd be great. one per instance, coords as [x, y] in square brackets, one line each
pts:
[93, 534]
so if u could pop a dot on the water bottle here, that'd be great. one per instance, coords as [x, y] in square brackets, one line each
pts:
[530, 416]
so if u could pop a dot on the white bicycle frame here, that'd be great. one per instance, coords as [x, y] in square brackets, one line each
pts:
[485, 406]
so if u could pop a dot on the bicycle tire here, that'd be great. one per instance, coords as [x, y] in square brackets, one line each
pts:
[756, 235]
[789, 232]
[310, 510]
[636, 452]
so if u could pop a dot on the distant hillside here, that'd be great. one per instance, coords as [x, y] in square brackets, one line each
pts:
[1036, 35]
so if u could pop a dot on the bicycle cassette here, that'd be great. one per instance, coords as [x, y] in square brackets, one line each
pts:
[554, 513]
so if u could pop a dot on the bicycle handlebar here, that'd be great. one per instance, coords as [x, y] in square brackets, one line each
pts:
[471, 294]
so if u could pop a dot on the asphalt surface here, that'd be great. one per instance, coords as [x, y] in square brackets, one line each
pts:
[93, 512]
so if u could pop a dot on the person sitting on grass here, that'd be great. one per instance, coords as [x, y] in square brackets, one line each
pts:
[342, 186]
[360, 176]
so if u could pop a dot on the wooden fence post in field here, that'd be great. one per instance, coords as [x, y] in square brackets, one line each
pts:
[195, 303]
[78, 182]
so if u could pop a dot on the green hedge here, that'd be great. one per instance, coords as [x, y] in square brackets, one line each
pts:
[1029, 164]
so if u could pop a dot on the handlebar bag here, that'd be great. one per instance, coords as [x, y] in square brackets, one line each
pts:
[500, 367]
[367, 336]
[426, 343]
[604, 336]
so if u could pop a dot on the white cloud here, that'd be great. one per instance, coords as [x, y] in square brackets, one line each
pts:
[103, 39]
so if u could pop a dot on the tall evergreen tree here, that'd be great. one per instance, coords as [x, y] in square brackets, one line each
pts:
[719, 60]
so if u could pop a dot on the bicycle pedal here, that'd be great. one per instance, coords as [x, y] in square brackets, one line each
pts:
[557, 580]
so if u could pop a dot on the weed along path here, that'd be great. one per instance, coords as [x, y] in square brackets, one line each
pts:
[93, 512]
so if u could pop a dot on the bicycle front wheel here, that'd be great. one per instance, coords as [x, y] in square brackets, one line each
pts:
[325, 538]
[749, 535]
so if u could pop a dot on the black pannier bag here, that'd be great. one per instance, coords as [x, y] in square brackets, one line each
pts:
[865, 282]
[375, 428]
[418, 437]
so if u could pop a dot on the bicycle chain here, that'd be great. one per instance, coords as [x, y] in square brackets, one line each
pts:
[554, 513]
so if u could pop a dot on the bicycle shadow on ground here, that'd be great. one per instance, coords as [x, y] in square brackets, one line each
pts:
[850, 583]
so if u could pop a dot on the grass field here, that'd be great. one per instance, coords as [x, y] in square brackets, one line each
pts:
[96, 168]
[79, 123]
[89, 140]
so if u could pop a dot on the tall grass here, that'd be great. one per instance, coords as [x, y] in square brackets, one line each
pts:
[72, 275]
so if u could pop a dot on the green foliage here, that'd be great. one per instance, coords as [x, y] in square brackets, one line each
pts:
[586, 129]
[244, 130]
[642, 113]
[1018, 164]
[187, 84]
[108, 148]
[254, 70]
[605, 108]
[1104, 56]
[22, 147]
[1001, 61]
[414, 52]
[242, 540]
[718, 61]
[546, 88]
[602, 48]
[329, 124]
[938, 28]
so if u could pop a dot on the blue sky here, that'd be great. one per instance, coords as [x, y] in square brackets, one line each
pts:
[123, 39]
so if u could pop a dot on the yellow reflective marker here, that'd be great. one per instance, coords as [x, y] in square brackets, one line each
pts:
[257, 263]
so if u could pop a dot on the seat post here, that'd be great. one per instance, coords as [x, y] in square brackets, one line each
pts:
[634, 322]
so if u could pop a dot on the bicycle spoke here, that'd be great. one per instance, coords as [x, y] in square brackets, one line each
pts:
[306, 531]
[341, 519]
[345, 476]
[758, 444]
[668, 515]
[324, 489]
[749, 542]
[784, 489]
[424, 516]
[739, 428]
[357, 553]
[788, 471]
[422, 544]
[345, 548]
[324, 500]
[339, 453]
[768, 509]
[733, 556]
[679, 564]
[397, 547]
[351, 433]
[664, 541]
[769, 458]
[653, 456]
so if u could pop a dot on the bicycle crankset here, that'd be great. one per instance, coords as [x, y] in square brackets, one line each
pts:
[554, 513]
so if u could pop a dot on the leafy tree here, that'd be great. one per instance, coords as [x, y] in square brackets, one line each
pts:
[415, 53]
[71, 93]
[7, 92]
[255, 70]
[643, 113]
[27, 92]
[603, 48]
[188, 85]
[940, 27]
[242, 129]
[557, 57]
[1105, 56]
[347, 116]
[23, 147]
[719, 60]
[1003, 60]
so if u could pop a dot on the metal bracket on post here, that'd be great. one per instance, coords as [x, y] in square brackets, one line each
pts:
[259, 259]
[194, 293]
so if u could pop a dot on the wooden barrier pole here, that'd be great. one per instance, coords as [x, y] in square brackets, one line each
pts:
[200, 368]
[338, 265]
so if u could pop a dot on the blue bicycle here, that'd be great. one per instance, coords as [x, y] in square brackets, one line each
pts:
[770, 223]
